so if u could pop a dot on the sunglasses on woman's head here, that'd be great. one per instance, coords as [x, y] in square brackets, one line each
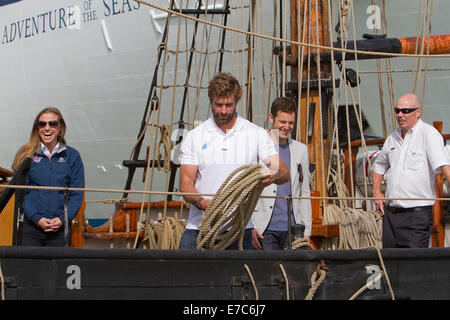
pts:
[52, 124]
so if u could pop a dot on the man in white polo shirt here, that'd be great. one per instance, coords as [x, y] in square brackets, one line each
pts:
[411, 156]
[218, 146]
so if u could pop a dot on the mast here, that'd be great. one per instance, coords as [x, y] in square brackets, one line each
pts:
[309, 22]
[311, 86]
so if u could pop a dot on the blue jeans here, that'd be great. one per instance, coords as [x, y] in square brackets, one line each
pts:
[189, 240]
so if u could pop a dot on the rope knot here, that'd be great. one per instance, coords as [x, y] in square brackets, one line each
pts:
[321, 271]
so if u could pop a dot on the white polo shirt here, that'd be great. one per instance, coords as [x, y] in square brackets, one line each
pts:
[412, 164]
[218, 154]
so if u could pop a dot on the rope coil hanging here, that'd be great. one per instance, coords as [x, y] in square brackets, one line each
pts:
[165, 233]
[231, 209]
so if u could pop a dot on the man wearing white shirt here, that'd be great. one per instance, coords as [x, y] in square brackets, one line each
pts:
[411, 156]
[218, 146]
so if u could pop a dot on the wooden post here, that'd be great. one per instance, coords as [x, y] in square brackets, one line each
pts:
[127, 229]
[316, 32]
[350, 154]
[111, 230]
[77, 240]
[438, 229]
[320, 230]
[7, 214]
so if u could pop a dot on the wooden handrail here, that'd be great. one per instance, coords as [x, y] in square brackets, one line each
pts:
[113, 235]
[5, 173]
[132, 209]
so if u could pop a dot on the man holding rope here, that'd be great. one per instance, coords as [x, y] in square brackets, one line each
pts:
[218, 146]
[413, 154]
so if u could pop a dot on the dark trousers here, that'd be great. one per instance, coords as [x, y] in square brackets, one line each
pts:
[36, 237]
[274, 240]
[189, 240]
[408, 229]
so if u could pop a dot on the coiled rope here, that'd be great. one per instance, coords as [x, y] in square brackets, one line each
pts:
[357, 228]
[230, 210]
[164, 233]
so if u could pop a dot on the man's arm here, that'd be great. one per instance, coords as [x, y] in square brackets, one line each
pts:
[446, 172]
[256, 236]
[377, 180]
[188, 173]
[278, 172]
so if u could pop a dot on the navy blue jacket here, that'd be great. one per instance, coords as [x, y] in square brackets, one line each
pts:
[65, 168]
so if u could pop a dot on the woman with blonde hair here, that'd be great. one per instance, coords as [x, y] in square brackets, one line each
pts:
[53, 164]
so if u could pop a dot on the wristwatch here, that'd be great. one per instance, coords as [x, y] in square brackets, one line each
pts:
[197, 204]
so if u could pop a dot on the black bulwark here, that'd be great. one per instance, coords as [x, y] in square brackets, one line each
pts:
[74, 273]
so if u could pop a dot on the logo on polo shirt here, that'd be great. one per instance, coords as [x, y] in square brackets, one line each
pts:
[61, 159]
[204, 146]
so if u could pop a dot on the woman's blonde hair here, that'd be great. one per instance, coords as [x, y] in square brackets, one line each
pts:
[34, 143]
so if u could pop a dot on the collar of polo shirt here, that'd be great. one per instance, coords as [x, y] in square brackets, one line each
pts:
[212, 126]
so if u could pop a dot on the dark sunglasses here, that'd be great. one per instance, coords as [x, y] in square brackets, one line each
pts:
[52, 124]
[405, 110]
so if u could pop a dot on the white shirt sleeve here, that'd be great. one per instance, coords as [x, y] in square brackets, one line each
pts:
[187, 152]
[266, 147]
[381, 164]
[437, 155]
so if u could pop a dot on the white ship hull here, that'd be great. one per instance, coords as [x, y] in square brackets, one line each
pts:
[95, 67]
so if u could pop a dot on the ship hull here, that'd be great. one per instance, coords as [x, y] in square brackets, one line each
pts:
[72, 273]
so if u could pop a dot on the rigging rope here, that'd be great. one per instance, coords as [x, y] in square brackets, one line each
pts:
[6, 186]
[292, 42]
[286, 280]
[253, 281]
[168, 146]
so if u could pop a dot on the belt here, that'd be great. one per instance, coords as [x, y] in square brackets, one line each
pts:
[412, 209]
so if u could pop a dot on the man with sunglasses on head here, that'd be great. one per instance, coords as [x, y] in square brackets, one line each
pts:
[270, 217]
[411, 157]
